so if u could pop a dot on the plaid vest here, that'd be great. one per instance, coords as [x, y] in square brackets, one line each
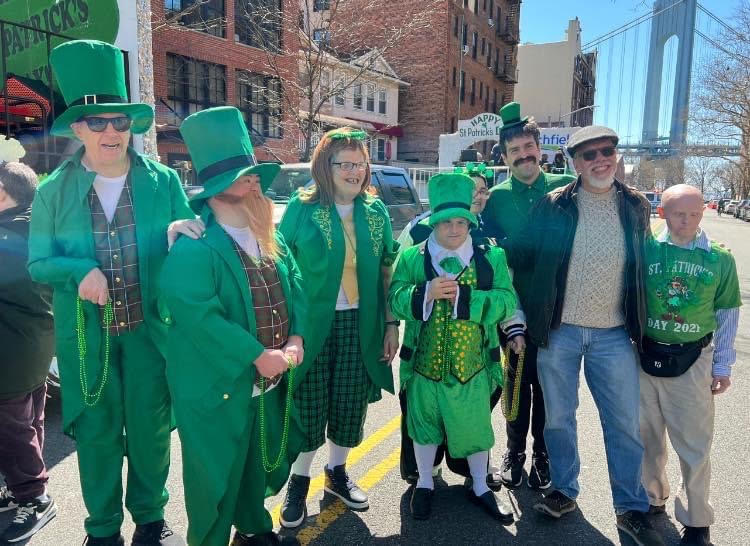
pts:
[269, 302]
[117, 254]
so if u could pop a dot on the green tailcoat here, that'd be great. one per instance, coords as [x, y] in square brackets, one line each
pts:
[61, 254]
[316, 238]
[210, 352]
[493, 302]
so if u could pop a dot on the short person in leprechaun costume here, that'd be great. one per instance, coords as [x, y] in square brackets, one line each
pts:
[238, 311]
[452, 293]
[100, 228]
[341, 238]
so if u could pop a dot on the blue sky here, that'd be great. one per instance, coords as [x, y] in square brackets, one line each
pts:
[623, 58]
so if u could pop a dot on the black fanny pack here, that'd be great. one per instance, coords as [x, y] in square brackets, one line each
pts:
[665, 360]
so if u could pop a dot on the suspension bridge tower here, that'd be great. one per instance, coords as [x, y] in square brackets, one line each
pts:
[670, 19]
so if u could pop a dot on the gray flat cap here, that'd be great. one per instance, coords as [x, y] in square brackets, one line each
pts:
[587, 134]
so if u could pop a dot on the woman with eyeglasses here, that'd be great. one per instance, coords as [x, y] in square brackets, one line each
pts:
[341, 237]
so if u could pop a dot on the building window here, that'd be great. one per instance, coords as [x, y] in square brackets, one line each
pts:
[382, 100]
[494, 102]
[491, 11]
[473, 91]
[357, 96]
[259, 99]
[474, 45]
[258, 23]
[484, 45]
[321, 5]
[325, 86]
[322, 36]
[454, 76]
[462, 86]
[476, 6]
[193, 85]
[370, 98]
[340, 99]
[203, 15]
[455, 26]
[481, 89]
[489, 55]
[453, 125]
[487, 100]
[377, 149]
[465, 34]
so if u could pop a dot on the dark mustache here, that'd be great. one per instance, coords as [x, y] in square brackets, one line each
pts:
[517, 162]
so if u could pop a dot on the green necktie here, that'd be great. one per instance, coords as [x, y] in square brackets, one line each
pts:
[452, 265]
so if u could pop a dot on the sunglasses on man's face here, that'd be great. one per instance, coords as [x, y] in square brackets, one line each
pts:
[98, 125]
[590, 155]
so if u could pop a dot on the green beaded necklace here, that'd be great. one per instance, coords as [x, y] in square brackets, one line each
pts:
[91, 399]
[268, 466]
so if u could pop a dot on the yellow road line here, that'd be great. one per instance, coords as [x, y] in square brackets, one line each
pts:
[335, 510]
[367, 445]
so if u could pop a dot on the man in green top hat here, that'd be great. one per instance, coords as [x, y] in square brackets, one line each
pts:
[506, 216]
[452, 292]
[237, 327]
[100, 228]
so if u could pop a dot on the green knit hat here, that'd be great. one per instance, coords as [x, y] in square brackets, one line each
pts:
[91, 77]
[511, 116]
[450, 196]
[221, 152]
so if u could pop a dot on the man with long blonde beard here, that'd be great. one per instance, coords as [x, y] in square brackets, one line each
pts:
[693, 308]
[238, 310]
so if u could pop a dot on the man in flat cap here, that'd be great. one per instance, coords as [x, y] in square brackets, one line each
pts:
[585, 257]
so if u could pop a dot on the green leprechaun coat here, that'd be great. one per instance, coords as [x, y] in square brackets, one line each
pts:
[492, 301]
[210, 352]
[316, 238]
[61, 254]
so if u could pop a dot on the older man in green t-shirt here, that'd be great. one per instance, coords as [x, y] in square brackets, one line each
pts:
[505, 216]
[693, 301]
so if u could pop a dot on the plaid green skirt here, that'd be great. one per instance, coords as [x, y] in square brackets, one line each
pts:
[337, 388]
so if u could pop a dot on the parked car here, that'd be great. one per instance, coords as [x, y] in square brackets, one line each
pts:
[739, 208]
[712, 204]
[731, 206]
[654, 198]
[392, 185]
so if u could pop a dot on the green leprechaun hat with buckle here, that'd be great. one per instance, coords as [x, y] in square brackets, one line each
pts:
[221, 152]
[511, 116]
[450, 196]
[91, 77]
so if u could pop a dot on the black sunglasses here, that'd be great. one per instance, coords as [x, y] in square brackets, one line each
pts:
[98, 125]
[590, 155]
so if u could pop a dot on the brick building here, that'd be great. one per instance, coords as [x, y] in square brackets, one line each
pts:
[216, 54]
[461, 64]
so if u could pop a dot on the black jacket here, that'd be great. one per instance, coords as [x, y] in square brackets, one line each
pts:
[26, 327]
[543, 252]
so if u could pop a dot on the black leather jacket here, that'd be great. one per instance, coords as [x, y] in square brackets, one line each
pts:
[543, 251]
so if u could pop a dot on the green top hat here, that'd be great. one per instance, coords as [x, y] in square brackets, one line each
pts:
[511, 116]
[450, 196]
[221, 151]
[91, 77]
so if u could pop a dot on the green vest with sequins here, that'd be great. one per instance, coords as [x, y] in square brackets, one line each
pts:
[450, 346]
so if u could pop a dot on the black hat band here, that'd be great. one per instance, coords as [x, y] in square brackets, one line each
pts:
[98, 99]
[451, 205]
[225, 165]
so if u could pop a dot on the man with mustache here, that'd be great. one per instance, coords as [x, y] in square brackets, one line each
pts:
[506, 215]
[583, 252]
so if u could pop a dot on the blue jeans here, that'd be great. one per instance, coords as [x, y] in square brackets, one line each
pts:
[611, 371]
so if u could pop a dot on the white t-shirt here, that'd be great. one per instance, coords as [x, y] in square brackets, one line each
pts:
[108, 191]
[342, 303]
[245, 238]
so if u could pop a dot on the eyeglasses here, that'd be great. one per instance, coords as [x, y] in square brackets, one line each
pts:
[98, 125]
[590, 155]
[349, 166]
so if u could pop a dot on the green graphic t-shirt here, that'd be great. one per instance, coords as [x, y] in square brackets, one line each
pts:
[685, 288]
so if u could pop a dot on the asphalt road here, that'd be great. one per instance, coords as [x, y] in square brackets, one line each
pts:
[374, 465]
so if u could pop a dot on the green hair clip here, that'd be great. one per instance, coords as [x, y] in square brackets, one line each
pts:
[475, 169]
[346, 132]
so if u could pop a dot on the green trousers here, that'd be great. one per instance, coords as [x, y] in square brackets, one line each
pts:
[131, 419]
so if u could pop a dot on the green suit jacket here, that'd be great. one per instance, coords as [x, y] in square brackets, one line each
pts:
[61, 254]
[316, 238]
[210, 352]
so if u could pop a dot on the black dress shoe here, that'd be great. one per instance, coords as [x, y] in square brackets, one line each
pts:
[489, 503]
[266, 539]
[113, 540]
[421, 503]
[156, 533]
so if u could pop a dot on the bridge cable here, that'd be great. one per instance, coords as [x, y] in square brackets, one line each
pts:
[609, 82]
[622, 71]
[632, 84]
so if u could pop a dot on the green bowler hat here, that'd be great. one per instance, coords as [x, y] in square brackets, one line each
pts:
[91, 77]
[511, 115]
[450, 196]
[221, 152]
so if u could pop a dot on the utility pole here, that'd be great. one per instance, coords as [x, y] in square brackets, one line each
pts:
[146, 70]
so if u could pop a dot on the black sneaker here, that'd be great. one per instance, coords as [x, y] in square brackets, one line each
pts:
[555, 505]
[338, 483]
[30, 517]
[294, 508]
[657, 510]
[696, 536]
[511, 472]
[421, 503]
[497, 509]
[156, 533]
[636, 525]
[7, 500]
[266, 539]
[113, 540]
[539, 478]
